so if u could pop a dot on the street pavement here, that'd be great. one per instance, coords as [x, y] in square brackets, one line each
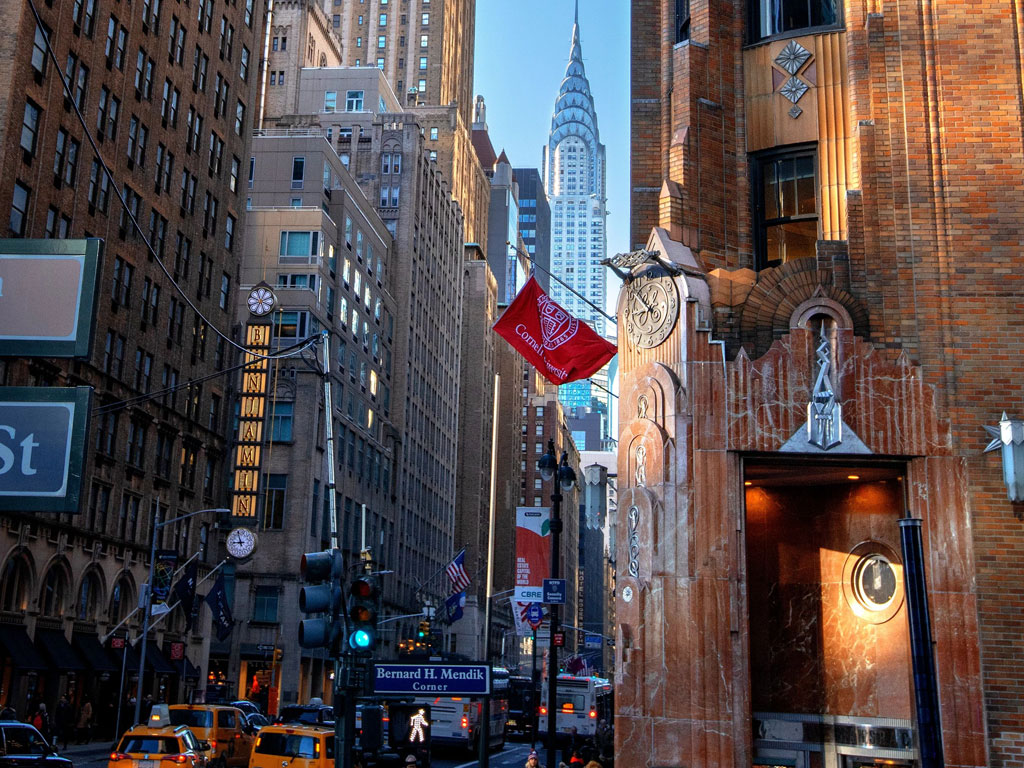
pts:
[97, 753]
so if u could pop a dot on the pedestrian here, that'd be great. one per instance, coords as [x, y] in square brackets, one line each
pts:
[41, 721]
[532, 760]
[62, 722]
[572, 748]
[411, 761]
[8, 713]
[84, 723]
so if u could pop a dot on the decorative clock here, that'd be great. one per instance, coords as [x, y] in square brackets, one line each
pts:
[241, 543]
[652, 307]
[261, 300]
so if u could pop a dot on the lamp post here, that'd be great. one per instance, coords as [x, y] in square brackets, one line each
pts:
[549, 467]
[157, 525]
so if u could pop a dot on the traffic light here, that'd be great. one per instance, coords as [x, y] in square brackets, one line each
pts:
[363, 605]
[424, 631]
[322, 571]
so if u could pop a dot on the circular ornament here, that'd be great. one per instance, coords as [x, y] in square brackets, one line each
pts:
[627, 594]
[261, 301]
[241, 543]
[652, 307]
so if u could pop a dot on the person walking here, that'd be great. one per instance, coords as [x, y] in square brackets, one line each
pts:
[62, 722]
[532, 760]
[84, 724]
[41, 721]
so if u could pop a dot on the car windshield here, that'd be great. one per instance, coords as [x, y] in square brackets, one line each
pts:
[149, 745]
[287, 744]
[23, 741]
[195, 718]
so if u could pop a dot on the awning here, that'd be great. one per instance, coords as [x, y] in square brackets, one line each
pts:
[128, 656]
[185, 669]
[89, 648]
[157, 661]
[25, 657]
[55, 646]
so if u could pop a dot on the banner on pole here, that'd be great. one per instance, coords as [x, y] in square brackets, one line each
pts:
[533, 552]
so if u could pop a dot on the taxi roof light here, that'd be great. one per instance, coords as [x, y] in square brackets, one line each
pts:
[159, 716]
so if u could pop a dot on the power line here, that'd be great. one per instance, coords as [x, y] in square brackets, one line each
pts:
[69, 96]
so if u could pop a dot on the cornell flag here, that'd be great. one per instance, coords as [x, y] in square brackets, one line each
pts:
[560, 346]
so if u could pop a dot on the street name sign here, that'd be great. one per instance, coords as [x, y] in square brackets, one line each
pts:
[42, 447]
[592, 641]
[443, 679]
[47, 296]
[554, 591]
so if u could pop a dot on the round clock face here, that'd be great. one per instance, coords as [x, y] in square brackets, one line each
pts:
[874, 582]
[241, 543]
[652, 307]
[261, 301]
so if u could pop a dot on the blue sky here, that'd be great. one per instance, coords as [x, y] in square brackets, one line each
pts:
[522, 48]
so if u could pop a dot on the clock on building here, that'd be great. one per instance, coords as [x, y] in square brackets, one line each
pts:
[241, 543]
[652, 307]
[261, 300]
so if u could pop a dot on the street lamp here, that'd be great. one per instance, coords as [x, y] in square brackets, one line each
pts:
[549, 468]
[157, 525]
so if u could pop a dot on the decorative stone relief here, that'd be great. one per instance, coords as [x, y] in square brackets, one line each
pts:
[794, 89]
[642, 404]
[795, 112]
[633, 518]
[641, 466]
[824, 413]
[792, 57]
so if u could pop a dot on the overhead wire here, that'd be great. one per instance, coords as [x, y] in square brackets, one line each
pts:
[69, 95]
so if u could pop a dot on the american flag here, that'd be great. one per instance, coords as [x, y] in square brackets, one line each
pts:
[456, 571]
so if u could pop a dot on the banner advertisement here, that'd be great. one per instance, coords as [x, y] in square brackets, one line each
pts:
[163, 573]
[533, 552]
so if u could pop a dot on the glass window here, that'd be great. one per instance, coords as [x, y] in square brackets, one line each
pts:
[787, 208]
[433, 134]
[19, 208]
[273, 509]
[264, 607]
[774, 17]
[354, 101]
[30, 127]
[281, 416]
[298, 170]
[330, 101]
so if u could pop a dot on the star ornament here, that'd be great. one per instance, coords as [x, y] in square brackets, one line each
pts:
[1010, 431]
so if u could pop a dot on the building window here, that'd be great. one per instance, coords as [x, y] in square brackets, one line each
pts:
[424, 40]
[30, 127]
[19, 208]
[39, 55]
[273, 509]
[423, 62]
[383, 20]
[433, 134]
[330, 101]
[298, 170]
[775, 17]
[425, 20]
[422, 86]
[354, 101]
[281, 417]
[264, 607]
[381, 41]
[787, 213]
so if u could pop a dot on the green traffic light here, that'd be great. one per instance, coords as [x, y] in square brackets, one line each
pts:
[360, 639]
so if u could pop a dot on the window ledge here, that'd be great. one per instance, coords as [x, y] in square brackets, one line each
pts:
[804, 32]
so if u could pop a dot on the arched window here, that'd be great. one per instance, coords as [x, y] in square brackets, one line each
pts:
[54, 598]
[15, 585]
[121, 600]
[89, 598]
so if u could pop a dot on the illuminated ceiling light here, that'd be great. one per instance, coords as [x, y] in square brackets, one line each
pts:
[853, 477]
[748, 483]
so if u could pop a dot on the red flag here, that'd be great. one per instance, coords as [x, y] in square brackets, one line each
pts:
[560, 346]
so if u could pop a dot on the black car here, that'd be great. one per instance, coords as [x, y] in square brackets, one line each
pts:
[247, 707]
[257, 721]
[22, 746]
[307, 714]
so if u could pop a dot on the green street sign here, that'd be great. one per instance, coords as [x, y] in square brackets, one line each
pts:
[42, 447]
[47, 296]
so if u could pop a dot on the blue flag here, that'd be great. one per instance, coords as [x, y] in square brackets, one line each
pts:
[453, 607]
[185, 591]
[218, 601]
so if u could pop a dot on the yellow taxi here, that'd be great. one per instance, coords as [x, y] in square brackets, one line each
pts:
[224, 728]
[158, 744]
[294, 746]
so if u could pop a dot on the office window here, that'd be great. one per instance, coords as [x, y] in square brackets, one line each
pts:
[381, 41]
[425, 20]
[273, 509]
[383, 20]
[281, 418]
[39, 54]
[423, 62]
[424, 40]
[774, 17]
[30, 127]
[354, 101]
[243, 65]
[330, 101]
[787, 212]
[422, 86]
[264, 607]
[433, 134]
[380, 64]
[19, 208]
[298, 170]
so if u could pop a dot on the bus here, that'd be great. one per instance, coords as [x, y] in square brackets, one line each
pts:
[582, 703]
[523, 699]
[455, 720]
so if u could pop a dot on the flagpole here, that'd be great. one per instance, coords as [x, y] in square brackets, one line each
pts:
[485, 731]
[565, 285]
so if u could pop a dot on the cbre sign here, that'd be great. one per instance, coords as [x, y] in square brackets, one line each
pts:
[42, 445]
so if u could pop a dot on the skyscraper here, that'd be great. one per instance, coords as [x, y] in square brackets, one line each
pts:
[574, 172]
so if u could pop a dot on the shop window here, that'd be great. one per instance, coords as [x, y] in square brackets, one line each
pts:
[786, 208]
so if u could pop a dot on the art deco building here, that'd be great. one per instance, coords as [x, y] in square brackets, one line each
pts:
[573, 169]
[314, 237]
[805, 496]
[166, 92]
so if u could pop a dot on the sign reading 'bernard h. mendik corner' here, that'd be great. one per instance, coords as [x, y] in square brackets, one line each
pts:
[444, 679]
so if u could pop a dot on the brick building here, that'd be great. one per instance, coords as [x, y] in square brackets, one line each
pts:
[167, 92]
[841, 231]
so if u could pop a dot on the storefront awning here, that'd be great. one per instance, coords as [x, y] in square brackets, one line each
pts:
[185, 669]
[95, 657]
[59, 651]
[24, 656]
[156, 661]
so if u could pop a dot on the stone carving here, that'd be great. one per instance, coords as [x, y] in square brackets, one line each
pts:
[642, 404]
[633, 566]
[794, 89]
[795, 112]
[824, 413]
[792, 57]
[641, 465]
